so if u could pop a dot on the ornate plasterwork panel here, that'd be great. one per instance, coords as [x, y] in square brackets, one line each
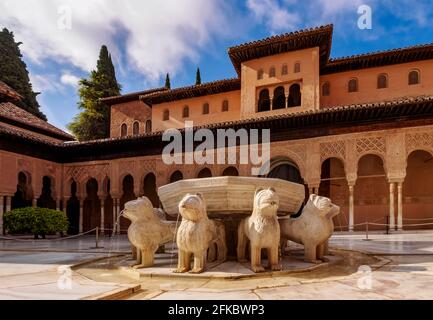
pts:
[375, 145]
[419, 140]
[333, 149]
[81, 173]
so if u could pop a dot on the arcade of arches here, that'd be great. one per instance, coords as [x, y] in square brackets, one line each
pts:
[380, 177]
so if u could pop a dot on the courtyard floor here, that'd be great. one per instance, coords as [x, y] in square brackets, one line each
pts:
[397, 266]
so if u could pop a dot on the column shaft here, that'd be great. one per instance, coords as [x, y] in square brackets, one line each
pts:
[1, 214]
[391, 206]
[400, 206]
[102, 216]
[80, 230]
[351, 209]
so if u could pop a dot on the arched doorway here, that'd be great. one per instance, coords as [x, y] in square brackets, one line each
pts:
[92, 206]
[176, 176]
[204, 173]
[230, 172]
[127, 195]
[371, 192]
[295, 98]
[264, 101]
[279, 100]
[23, 196]
[149, 188]
[333, 185]
[46, 200]
[286, 170]
[73, 210]
[418, 190]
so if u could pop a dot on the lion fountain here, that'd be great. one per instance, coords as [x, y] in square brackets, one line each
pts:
[225, 215]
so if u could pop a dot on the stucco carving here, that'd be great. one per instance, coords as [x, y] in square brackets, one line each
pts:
[419, 140]
[147, 230]
[262, 230]
[333, 149]
[312, 228]
[81, 173]
[196, 234]
[376, 145]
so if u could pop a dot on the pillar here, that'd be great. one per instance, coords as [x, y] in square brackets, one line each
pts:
[80, 230]
[102, 227]
[34, 202]
[117, 216]
[65, 205]
[1, 214]
[58, 204]
[391, 206]
[351, 209]
[400, 206]
[114, 215]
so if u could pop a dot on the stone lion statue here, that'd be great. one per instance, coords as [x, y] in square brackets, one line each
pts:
[147, 230]
[262, 230]
[196, 234]
[312, 228]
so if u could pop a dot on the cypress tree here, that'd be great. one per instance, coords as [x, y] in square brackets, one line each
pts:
[167, 81]
[94, 121]
[197, 77]
[13, 72]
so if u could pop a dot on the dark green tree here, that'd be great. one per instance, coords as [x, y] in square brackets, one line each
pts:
[94, 121]
[13, 72]
[197, 77]
[167, 81]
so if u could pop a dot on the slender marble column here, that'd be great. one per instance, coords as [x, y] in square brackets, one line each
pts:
[400, 206]
[391, 206]
[102, 216]
[351, 209]
[118, 213]
[114, 215]
[58, 204]
[8, 203]
[80, 230]
[34, 202]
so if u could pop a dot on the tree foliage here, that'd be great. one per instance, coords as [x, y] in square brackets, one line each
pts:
[167, 81]
[197, 77]
[94, 121]
[13, 72]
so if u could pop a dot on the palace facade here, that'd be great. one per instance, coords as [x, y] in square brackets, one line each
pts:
[357, 129]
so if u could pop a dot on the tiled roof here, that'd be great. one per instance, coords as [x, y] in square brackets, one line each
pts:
[308, 38]
[200, 90]
[379, 58]
[131, 96]
[8, 92]
[10, 113]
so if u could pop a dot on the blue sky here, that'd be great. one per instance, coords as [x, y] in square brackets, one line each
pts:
[147, 39]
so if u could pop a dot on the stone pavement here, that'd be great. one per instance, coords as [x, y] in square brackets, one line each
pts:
[404, 271]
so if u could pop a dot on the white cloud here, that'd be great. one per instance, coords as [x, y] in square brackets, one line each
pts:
[159, 35]
[69, 79]
[45, 83]
[273, 15]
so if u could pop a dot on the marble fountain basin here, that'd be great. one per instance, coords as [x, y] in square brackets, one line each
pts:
[231, 195]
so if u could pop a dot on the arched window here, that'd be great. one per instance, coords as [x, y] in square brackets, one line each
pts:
[414, 77]
[272, 72]
[123, 130]
[166, 115]
[225, 106]
[295, 98]
[279, 101]
[176, 176]
[353, 85]
[284, 69]
[206, 108]
[204, 173]
[382, 81]
[135, 128]
[297, 67]
[148, 128]
[264, 101]
[185, 112]
[260, 74]
[230, 172]
[326, 89]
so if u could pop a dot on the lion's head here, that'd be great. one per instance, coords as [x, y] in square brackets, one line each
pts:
[324, 206]
[139, 209]
[266, 202]
[193, 207]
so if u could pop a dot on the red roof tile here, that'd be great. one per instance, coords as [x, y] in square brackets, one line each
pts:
[8, 92]
[10, 113]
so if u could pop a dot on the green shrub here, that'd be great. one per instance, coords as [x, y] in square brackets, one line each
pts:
[39, 221]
